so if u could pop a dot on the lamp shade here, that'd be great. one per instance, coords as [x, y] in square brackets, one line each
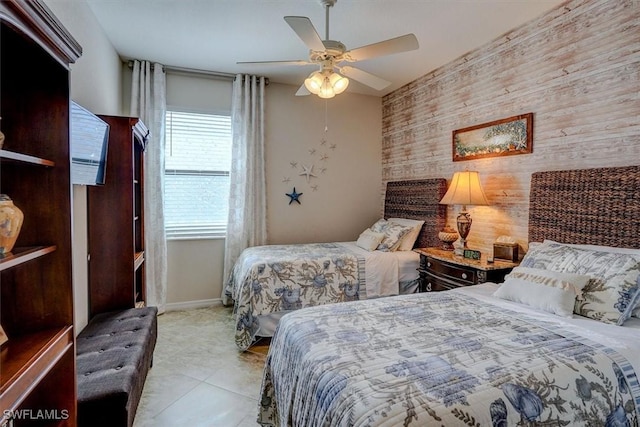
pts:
[465, 189]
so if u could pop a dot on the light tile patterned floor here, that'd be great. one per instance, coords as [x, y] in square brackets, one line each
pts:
[199, 378]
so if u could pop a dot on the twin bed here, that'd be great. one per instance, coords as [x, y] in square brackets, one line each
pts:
[269, 281]
[557, 344]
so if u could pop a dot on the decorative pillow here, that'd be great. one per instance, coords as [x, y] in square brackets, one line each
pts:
[614, 290]
[409, 239]
[393, 233]
[543, 289]
[369, 240]
[636, 312]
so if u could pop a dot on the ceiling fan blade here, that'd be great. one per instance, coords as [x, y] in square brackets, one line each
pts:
[293, 62]
[365, 78]
[303, 91]
[396, 45]
[306, 31]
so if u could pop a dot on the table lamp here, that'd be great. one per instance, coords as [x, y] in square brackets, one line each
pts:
[465, 189]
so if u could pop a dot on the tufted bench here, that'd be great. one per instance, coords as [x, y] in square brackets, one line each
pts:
[114, 354]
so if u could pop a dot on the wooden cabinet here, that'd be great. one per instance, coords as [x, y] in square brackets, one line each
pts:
[37, 366]
[116, 221]
[441, 270]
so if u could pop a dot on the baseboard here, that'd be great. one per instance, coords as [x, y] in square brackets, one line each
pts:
[186, 305]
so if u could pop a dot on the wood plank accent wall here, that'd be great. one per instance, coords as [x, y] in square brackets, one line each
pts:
[577, 68]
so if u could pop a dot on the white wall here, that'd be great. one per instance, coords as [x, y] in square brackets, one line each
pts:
[347, 198]
[96, 85]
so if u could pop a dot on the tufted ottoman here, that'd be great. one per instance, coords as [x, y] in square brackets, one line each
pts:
[114, 354]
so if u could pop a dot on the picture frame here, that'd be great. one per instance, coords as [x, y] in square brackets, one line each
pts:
[504, 137]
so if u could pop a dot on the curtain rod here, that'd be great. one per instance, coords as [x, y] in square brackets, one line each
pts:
[191, 71]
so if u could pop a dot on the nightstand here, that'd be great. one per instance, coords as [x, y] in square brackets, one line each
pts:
[441, 270]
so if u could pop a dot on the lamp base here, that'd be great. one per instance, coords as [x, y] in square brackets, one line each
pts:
[464, 226]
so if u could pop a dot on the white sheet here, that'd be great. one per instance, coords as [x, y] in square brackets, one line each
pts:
[625, 339]
[385, 270]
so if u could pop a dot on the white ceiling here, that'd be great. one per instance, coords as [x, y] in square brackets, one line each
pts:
[213, 35]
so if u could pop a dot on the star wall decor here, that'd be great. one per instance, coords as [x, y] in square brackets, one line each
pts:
[294, 196]
[307, 168]
[308, 172]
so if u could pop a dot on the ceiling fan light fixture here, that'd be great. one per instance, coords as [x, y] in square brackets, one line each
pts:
[326, 90]
[338, 83]
[314, 82]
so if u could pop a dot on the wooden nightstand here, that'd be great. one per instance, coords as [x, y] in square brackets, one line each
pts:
[441, 270]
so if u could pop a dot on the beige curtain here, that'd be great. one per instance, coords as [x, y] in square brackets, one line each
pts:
[247, 198]
[148, 103]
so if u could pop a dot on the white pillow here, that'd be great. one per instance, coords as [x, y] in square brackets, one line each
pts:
[543, 289]
[393, 233]
[369, 240]
[409, 239]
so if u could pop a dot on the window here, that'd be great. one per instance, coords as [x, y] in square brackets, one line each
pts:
[197, 163]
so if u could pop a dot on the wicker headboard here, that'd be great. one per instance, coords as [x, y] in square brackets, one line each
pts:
[418, 199]
[598, 206]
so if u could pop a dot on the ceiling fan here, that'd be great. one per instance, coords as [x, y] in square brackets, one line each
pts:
[333, 58]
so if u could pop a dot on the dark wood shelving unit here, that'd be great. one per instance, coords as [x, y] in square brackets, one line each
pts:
[37, 366]
[21, 255]
[116, 238]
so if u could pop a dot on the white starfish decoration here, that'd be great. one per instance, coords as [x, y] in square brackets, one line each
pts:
[323, 142]
[286, 179]
[314, 187]
[294, 164]
[323, 170]
[308, 172]
[333, 146]
[312, 151]
[324, 157]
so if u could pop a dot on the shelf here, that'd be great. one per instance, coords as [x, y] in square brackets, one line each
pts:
[21, 255]
[27, 359]
[138, 260]
[10, 155]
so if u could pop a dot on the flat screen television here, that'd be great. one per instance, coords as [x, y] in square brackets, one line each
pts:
[88, 143]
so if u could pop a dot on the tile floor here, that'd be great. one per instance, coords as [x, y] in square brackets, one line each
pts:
[199, 378]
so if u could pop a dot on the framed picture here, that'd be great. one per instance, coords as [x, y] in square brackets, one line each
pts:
[505, 137]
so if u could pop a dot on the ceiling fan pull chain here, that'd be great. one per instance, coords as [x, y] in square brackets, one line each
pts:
[326, 115]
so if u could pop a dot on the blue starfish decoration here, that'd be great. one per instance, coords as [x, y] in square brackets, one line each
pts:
[294, 196]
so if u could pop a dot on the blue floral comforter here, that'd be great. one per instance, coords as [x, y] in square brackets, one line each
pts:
[280, 278]
[442, 359]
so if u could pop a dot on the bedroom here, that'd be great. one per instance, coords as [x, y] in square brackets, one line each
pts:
[583, 98]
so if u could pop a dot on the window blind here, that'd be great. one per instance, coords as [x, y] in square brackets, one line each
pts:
[197, 163]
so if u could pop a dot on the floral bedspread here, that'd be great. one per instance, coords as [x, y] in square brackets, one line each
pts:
[441, 359]
[277, 278]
